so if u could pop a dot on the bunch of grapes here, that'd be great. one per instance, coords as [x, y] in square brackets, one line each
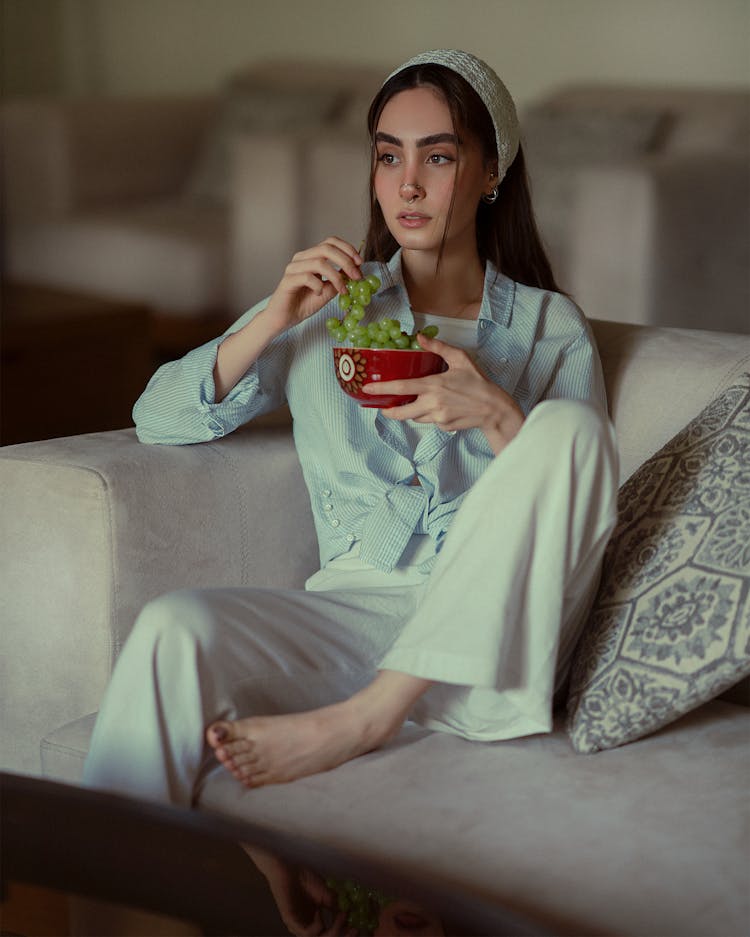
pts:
[362, 905]
[385, 333]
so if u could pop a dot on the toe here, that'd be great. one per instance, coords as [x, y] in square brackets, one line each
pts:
[244, 771]
[218, 733]
[245, 755]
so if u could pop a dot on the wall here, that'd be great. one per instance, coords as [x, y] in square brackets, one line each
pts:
[30, 48]
[119, 47]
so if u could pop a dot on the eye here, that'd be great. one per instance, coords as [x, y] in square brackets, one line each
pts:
[439, 159]
[388, 159]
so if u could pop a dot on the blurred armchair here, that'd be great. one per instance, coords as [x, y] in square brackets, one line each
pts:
[145, 199]
[642, 195]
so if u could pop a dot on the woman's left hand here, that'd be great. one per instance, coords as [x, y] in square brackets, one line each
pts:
[460, 398]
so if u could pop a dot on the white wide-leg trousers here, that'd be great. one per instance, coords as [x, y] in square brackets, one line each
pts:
[494, 624]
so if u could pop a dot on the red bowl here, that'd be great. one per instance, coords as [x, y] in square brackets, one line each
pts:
[358, 366]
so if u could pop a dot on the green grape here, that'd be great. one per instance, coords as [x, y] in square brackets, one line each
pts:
[363, 292]
[361, 905]
[385, 333]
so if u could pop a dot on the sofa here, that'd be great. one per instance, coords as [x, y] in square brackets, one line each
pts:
[630, 818]
[195, 205]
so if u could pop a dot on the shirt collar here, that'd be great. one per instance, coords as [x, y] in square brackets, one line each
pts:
[497, 298]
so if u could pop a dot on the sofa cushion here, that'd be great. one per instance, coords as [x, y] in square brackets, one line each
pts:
[670, 627]
[507, 821]
[585, 846]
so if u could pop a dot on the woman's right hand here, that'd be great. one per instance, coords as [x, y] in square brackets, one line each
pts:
[311, 279]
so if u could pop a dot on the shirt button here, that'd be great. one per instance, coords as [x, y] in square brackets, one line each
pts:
[328, 507]
[350, 538]
[335, 522]
[326, 492]
[482, 324]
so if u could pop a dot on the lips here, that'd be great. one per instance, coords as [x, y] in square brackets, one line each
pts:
[413, 219]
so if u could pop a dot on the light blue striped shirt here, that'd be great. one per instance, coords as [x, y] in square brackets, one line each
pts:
[357, 464]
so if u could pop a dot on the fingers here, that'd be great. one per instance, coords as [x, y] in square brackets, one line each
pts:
[453, 357]
[411, 385]
[333, 260]
[458, 398]
[326, 288]
[429, 407]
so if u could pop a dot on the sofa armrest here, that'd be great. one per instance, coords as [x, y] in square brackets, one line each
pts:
[289, 191]
[63, 156]
[96, 525]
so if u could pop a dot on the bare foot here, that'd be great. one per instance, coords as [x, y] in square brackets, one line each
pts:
[262, 750]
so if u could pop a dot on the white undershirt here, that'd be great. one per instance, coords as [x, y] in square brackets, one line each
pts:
[459, 332]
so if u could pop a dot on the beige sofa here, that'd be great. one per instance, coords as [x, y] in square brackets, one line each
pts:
[647, 838]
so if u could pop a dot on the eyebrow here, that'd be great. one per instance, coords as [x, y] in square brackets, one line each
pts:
[434, 138]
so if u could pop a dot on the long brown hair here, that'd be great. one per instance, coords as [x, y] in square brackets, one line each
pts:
[507, 233]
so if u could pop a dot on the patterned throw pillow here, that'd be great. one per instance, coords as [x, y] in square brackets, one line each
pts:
[670, 627]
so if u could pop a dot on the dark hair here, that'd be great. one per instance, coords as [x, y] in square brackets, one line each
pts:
[507, 233]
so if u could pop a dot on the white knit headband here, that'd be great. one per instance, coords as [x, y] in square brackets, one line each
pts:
[491, 90]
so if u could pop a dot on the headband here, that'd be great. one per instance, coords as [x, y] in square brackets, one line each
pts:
[495, 96]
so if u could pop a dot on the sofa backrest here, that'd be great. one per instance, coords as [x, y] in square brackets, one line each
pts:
[658, 379]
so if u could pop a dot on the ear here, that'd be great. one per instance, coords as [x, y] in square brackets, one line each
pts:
[492, 178]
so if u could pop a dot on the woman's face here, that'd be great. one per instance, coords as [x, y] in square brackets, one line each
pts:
[418, 165]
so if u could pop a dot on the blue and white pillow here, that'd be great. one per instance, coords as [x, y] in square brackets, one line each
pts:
[670, 628]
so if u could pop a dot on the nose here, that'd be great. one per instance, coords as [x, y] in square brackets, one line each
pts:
[410, 191]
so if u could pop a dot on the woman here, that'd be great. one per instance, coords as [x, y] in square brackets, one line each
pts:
[460, 535]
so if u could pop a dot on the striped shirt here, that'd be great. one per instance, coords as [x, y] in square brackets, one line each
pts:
[357, 464]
